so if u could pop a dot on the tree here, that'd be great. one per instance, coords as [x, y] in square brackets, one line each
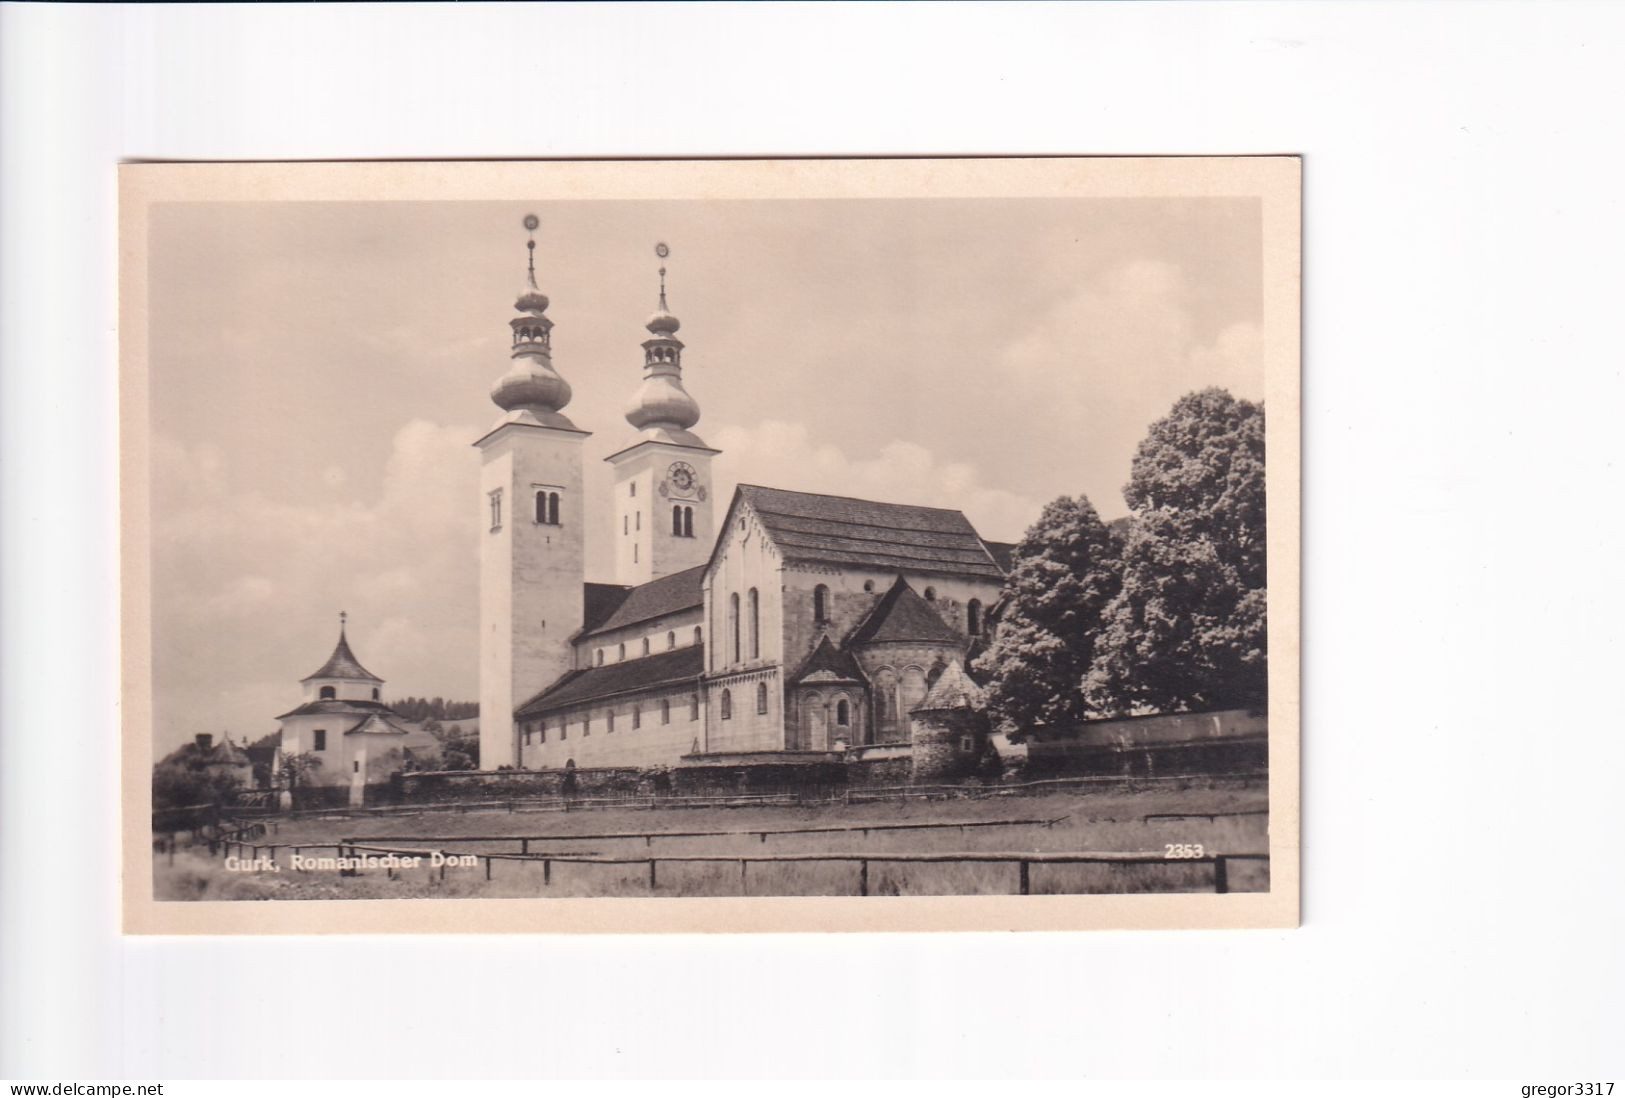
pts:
[295, 769]
[1066, 574]
[1187, 629]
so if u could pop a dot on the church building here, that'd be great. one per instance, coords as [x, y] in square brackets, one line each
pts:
[774, 621]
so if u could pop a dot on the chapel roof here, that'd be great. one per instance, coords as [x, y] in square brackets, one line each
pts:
[655, 599]
[377, 723]
[342, 664]
[827, 663]
[840, 530]
[954, 689]
[902, 615]
[338, 705]
[623, 677]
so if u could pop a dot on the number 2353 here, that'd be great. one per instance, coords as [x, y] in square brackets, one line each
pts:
[1182, 850]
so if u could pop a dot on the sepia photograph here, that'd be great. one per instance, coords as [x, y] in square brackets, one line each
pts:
[670, 533]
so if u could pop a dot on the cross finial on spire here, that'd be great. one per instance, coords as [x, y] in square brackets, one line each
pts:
[343, 617]
[662, 251]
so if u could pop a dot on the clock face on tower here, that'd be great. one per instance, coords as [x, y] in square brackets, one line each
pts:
[682, 477]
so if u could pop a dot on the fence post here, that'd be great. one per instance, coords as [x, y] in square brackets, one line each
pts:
[547, 872]
[651, 874]
[488, 862]
[1221, 874]
[524, 846]
[863, 878]
[1026, 878]
[744, 885]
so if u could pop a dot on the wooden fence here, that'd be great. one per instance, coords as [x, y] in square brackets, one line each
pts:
[648, 837]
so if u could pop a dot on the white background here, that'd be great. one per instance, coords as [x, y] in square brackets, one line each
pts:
[1462, 540]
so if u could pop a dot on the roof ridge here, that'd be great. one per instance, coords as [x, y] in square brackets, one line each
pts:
[854, 499]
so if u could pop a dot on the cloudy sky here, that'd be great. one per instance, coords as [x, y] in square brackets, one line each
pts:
[319, 372]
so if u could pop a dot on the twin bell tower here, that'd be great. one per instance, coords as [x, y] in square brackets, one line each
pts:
[534, 510]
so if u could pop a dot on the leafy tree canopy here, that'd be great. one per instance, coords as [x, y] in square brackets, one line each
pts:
[1187, 629]
[1065, 575]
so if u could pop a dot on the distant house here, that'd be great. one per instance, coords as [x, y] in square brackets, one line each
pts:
[218, 759]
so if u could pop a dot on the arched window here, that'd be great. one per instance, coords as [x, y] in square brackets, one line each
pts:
[676, 521]
[869, 586]
[693, 707]
[329, 692]
[727, 704]
[930, 594]
[645, 646]
[609, 720]
[541, 731]
[820, 604]
[733, 625]
[541, 506]
[755, 625]
[632, 489]
[699, 634]
[553, 508]
[375, 693]
[973, 617]
[885, 707]
[671, 641]
[665, 711]
[637, 715]
[843, 713]
[688, 522]
[761, 697]
[621, 652]
[598, 657]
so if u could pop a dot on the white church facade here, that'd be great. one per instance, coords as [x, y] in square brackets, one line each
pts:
[772, 622]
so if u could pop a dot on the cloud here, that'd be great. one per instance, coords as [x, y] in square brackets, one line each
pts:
[246, 588]
[783, 455]
[1096, 369]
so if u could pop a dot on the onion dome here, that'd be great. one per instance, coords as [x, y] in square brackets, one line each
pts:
[661, 408]
[532, 391]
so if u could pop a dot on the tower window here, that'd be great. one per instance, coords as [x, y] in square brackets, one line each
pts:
[318, 740]
[733, 625]
[496, 509]
[688, 522]
[843, 713]
[626, 525]
[634, 552]
[820, 604]
[973, 617]
[328, 692]
[547, 508]
[755, 625]
[355, 766]
[699, 634]
[598, 657]
[693, 707]
[637, 520]
[727, 704]
[665, 711]
[761, 697]
[676, 521]
[645, 646]
[634, 489]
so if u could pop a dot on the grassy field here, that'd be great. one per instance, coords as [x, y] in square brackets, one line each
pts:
[1085, 822]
